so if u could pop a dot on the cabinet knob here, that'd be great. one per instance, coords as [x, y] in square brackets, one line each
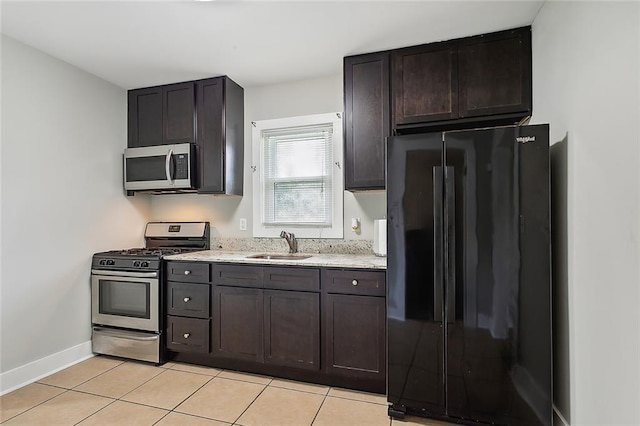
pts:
[186, 335]
[187, 272]
[186, 299]
[354, 282]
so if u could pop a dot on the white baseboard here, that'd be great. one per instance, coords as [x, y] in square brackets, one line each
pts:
[29, 373]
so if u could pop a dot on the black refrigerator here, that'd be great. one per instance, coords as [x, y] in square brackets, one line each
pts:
[468, 276]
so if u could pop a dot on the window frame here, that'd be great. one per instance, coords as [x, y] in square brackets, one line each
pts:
[336, 230]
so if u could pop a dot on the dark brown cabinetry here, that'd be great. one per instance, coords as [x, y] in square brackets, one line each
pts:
[292, 332]
[367, 121]
[188, 308]
[312, 324]
[220, 135]
[495, 74]
[457, 84]
[161, 115]
[481, 80]
[238, 323]
[425, 83]
[209, 113]
[269, 315]
[355, 324]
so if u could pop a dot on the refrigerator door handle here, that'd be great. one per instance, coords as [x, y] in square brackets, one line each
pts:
[438, 243]
[450, 242]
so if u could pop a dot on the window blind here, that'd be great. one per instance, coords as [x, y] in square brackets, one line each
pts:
[296, 175]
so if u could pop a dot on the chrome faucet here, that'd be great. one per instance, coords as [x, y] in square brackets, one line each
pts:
[291, 240]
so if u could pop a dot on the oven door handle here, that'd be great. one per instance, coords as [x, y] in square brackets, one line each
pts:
[127, 274]
[131, 336]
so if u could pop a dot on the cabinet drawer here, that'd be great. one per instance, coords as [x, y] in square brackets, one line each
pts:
[371, 283]
[189, 300]
[300, 279]
[188, 272]
[237, 276]
[187, 334]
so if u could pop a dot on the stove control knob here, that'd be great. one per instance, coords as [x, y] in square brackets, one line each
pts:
[136, 263]
[186, 299]
[187, 272]
[186, 335]
[111, 262]
[144, 264]
[103, 262]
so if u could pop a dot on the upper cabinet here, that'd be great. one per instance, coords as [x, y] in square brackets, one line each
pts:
[457, 84]
[494, 74]
[425, 83]
[367, 121]
[482, 80]
[161, 115]
[220, 135]
[209, 113]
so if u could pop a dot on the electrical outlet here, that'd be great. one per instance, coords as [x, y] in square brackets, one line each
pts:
[243, 224]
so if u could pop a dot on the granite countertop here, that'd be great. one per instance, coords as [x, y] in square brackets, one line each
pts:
[364, 261]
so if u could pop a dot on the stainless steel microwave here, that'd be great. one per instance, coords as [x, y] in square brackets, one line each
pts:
[160, 167]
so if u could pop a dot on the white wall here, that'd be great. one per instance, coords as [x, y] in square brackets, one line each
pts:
[261, 103]
[586, 85]
[63, 134]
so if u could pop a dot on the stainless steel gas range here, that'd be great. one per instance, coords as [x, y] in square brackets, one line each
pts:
[127, 296]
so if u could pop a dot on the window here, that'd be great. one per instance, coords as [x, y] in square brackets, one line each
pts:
[297, 176]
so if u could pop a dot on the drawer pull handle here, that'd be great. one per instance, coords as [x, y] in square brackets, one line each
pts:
[187, 272]
[186, 335]
[354, 282]
[186, 299]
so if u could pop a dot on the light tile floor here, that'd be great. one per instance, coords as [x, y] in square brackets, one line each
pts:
[109, 391]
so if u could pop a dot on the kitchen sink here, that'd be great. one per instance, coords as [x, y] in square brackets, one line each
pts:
[276, 256]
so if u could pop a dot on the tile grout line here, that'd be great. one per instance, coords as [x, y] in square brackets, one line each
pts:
[320, 407]
[66, 390]
[254, 400]
[39, 404]
[270, 384]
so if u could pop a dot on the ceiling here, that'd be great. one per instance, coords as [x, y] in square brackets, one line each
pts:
[145, 43]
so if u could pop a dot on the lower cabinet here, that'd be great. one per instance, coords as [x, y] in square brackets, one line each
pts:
[355, 335]
[292, 329]
[238, 323]
[188, 334]
[355, 323]
[320, 325]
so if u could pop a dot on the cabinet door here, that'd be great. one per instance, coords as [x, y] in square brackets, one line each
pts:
[210, 105]
[144, 118]
[425, 83]
[179, 113]
[367, 121]
[355, 336]
[495, 73]
[238, 323]
[292, 329]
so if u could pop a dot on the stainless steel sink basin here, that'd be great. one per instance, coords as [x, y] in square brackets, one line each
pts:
[276, 256]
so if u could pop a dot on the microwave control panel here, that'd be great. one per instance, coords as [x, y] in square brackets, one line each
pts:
[182, 166]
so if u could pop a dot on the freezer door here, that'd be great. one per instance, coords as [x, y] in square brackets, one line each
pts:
[415, 184]
[497, 327]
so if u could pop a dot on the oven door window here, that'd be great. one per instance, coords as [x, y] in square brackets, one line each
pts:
[125, 298]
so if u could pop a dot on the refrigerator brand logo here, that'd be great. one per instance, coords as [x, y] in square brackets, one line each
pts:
[525, 139]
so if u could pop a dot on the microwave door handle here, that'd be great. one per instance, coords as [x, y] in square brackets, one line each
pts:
[167, 165]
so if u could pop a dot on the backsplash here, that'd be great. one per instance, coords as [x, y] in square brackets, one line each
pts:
[304, 245]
